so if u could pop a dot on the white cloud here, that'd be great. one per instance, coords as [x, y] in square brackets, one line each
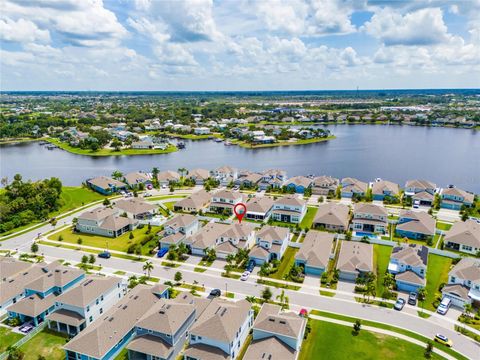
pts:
[283, 15]
[331, 17]
[22, 31]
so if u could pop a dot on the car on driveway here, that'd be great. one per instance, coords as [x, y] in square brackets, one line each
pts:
[245, 276]
[442, 339]
[215, 293]
[412, 298]
[162, 252]
[444, 306]
[399, 304]
[26, 328]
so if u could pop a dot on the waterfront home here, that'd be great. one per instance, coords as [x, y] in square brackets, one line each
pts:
[355, 259]
[464, 237]
[353, 187]
[201, 130]
[136, 208]
[417, 225]
[463, 285]
[325, 185]
[299, 184]
[270, 244]
[104, 221]
[225, 174]
[259, 208]
[272, 178]
[136, 178]
[166, 177]
[277, 335]
[409, 265]
[289, 209]
[384, 188]
[85, 303]
[423, 198]
[315, 252]
[107, 335]
[455, 198]
[369, 218]
[248, 180]
[200, 176]
[106, 185]
[416, 186]
[143, 144]
[332, 217]
[42, 292]
[220, 331]
[194, 203]
[224, 238]
[223, 201]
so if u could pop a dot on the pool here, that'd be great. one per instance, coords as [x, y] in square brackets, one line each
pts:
[362, 234]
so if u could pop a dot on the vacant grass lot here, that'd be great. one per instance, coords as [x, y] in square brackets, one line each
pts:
[336, 342]
[437, 273]
[73, 197]
[46, 343]
[7, 338]
[381, 257]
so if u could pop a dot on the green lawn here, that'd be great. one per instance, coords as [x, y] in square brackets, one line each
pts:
[282, 143]
[46, 343]
[336, 342]
[120, 243]
[308, 218]
[169, 205]
[122, 355]
[381, 258]
[287, 261]
[7, 338]
[443, 226]
[437, 273]
[73, 197]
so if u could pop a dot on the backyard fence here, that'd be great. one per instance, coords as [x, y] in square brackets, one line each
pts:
[24, 339]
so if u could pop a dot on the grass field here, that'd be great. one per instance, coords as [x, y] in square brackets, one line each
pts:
[244, 144]
[381, 257]
[437, 273]
[333, 340]
[443, 226]
[287, 262]
[308, 218]
[8, 338]
[73, 197]
[46, 343]
[169, 205]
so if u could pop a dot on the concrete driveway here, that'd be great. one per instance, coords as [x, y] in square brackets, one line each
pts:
[346, 286]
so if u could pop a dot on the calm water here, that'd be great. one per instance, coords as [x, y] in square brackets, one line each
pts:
[397, 153]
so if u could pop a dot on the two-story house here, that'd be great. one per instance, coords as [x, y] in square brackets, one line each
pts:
[289, 209]
[259, 209]
[177, 229]
[222, 329]
[464, 237]
[464, 283]
[299, 184]
[273, 178]
[384, 188]
[224, 201]
[276, 334]
[421, 191]
[270, 244]
[225, 174]
[315, 252]
[325, 185]
[85, 303]
[455, 198]
[409, 265]
[106, 185]
[104, 221]
[353, 187]
[417, 225]
[369, 218]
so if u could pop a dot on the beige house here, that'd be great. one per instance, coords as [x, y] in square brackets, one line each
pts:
[194, 203]
[355, 259]
[315, 252]
[464, 237]
[332, 216]
[325, 185]
[225, 200]
[136, 208]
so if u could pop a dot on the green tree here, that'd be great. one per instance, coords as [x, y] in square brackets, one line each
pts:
[422, 295]
[117, 174]
[84, 259]
[14, 353]
[92, 259]
[178, 276]
[428, 350]
[131, 236]
[34, 248]
[148, 267]
[266, 294]
[357, 325]
[106, 202]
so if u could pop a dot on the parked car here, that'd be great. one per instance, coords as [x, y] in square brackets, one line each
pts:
[442, 339]
[416, 204]
[26, 328]
[162, 252]
[444, 306]
[412, 298]
[245, 276]
[105, 255]
[399, 304]
[164, 186]
[147, 194]
[215, 292]
[303, 312]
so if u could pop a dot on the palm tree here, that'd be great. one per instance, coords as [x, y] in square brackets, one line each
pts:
[182, 249]
[283, 299]
[117, 175]
[230, 258]
[148, 267]
[182, 171]
[422, 294]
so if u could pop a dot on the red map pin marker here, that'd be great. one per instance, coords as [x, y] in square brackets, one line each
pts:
[240, 210]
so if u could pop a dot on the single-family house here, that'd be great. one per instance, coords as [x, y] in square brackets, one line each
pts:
[194, 203]
[270, 244]
[369, 218]
[299, 184]
[259, 208]
[277, 335]
[201, 130]
[464, 237]
[332, 217]
[463, 285]
[106, 185]
[325, 185]
[289, 209]
[455, 198]
[384, 188]
[225, 174]
[136, 208]
[353, 187]
[409, 265]
[416, 186]
[85, 303]
[272, 178]
[200, 176]
[315, 252]
[166, 177]
[223, 201]
[104, 221]
[249, 180]
[355, 259]
[177, 229]
[220, 331]
[417, 225]
[136, 178]
[143, 144]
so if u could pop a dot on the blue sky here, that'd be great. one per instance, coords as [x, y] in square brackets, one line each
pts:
[238, 45]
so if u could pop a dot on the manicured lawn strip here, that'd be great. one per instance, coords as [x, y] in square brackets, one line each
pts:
[46, 343]
[169, 205]
[327, 293]
[381, 258]
[73, 197]
[165, 197]
[8, 338]
[391, 328]
[120, 272]
[277, 285]
[287, 261]
[199, 270]
[308, 218]
[283, 143]
[437, 273]
[443, 226]
[71, 247]
[294, 238]
[336, 342]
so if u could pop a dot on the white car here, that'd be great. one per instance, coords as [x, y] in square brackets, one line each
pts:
[147, 194]
[444, 306]
[245, 276]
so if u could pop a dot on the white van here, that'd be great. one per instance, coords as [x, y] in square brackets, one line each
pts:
[444, 306]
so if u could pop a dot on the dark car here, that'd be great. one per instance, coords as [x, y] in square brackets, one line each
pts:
[104, 255]
[251, 266]
[215, 293]
[399, 304]
[162, 252]
[412, 298]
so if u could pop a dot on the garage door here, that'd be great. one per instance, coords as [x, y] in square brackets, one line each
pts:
[455, 300]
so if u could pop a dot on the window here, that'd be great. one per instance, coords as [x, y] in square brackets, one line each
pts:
[101, 310]
[90, 318]
[101, 298]
[96, 302]
[88, 308]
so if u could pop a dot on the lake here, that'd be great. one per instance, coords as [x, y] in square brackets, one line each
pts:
[397, 153]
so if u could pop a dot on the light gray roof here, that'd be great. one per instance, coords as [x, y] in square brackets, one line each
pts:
[115, 223]
[66, 317]
[457, 290]
[368, 208]
[325, 181]
[423, 195]
[88, 290]
[272, 320]
[420, 184]
[469, 197]
[269, 348]
[465, 233]
[134, 206]
[333, 214]
[316, 249]
[199, 174]
[205, 352]
[227, 194]
[55, 274]
[152, 345]
[467, 269]
[300, 181]
[33, 305]
[97, 214]
[355, 256]
[291, 200]
[379, 187]
[207, 235]
[10, 266]
[136, 177]
[195, 201]
[354, 185]
[260, 205]
[166, 317]
[410, 277]
[104, 182]
[421, 222]
[271, 233]
[168, 175]
[180, 220]
[14, 285]
[414, 255]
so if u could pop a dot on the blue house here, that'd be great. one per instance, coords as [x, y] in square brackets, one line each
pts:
[417, 225]
[105, 185]
[384, 188]
[352, 186]
[409, 265]
[455, 198]
[299, 184]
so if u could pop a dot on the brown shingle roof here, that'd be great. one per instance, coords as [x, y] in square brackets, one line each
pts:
[355, 256]
[272, 320]
[421, 222]
[88, 290]
[465, 233]
[333, 214]
[316, 248]
[134, 206]
[269, 348]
